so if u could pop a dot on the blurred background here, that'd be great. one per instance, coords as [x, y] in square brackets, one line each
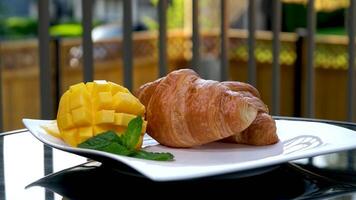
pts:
[20, 66]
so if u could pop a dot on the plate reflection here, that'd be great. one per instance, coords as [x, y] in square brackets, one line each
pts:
[286, 181]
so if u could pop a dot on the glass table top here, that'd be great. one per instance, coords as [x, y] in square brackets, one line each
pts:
[25, 162]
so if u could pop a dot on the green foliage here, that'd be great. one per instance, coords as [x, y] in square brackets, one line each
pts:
[150, 23]
[295, 16]
[70, 29]
[66, 30]
[175, 15]
[22, 27]
[332, 31]
[14, 27]
[124, 144]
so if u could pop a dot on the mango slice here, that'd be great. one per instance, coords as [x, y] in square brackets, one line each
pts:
[52, 129]
[86, 110]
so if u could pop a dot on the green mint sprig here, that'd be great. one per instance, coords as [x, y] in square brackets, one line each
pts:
[124, 144]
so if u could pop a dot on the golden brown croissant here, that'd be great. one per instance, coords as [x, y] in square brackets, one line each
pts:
[262, 131]
[184, 110]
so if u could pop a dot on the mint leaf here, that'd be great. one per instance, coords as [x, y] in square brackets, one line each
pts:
[132, 134]
[125, 144]
[153, 155]
[100, 141]
[116, 148]
[108, 142]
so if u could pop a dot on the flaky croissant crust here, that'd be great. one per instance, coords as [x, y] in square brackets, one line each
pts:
[184, 110]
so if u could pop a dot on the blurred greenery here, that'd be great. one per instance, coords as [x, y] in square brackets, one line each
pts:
[66, 30]
[295, 16]
[16, 27]
[25, 27]
[175, 15]
[70, 28]
[332, 31]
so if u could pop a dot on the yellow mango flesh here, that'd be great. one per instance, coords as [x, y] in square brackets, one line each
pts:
[86, 110]
[52, 129]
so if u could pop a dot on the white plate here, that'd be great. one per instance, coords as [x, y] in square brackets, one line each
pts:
[298, 139]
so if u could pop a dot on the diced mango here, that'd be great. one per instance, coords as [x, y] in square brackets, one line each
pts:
[127, 103]
[64, 106]
[123, 119]
[104, 117]
[85, 133]
[70, 137]
[90, 87]
[103, 100]
[79, 98]
[77, 87]
[98, 129]
[100, 86]
[120, 129]
[86, 110]
[82, 116]
[65, 122]
[117, 88]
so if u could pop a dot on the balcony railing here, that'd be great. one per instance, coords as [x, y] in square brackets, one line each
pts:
[48, 101]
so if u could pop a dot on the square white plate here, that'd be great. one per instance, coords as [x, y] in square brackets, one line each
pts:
[298, 139]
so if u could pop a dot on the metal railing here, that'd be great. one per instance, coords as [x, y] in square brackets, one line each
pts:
[87, 7]
[46, 84]
[47, 102]
[351, 71]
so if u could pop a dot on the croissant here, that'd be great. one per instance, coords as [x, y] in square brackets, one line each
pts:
[184, 110]
[263, 129]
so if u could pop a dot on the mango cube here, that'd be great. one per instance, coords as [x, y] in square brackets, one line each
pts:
[79, 98]
[70, 137]
[64, 106]
[127, 103]
[100, 86]
[90, 87]
[104, 117]
[103, 100]
[120, 129]
[100, 128]
[123, 119]
[118, 88]
[77, 87]
[81, 116]
[65, 121]
[85, 133]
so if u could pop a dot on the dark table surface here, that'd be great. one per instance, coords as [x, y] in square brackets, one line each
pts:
[25, 161]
